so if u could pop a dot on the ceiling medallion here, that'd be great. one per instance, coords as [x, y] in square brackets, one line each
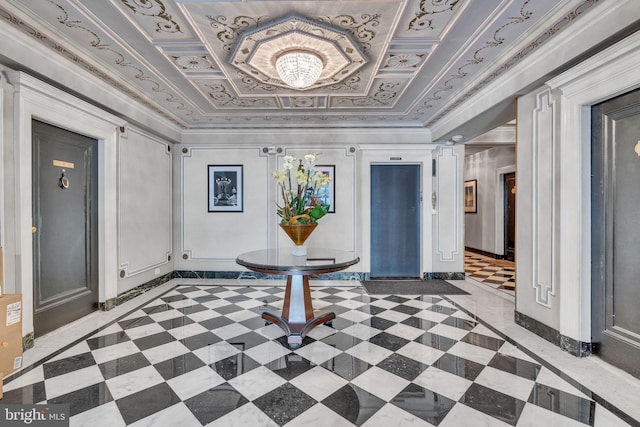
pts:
[298, 54]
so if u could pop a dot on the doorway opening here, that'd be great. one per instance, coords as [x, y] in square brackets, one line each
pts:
[490, 231]
[509, 186]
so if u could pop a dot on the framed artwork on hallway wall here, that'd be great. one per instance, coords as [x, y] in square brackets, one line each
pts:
[328, 193]
[471, 196]
[225, 188]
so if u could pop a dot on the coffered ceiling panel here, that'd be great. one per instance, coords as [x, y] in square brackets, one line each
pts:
[210, 64]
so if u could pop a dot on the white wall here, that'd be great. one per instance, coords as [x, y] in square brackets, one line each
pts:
[211, 241]
[482, 229]
[144, 208]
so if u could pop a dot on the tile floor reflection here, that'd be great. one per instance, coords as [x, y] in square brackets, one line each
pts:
[499, 274]
[200, 355]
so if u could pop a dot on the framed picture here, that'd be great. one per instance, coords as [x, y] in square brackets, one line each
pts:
[225, 188]
[328, 193]
[471, 196]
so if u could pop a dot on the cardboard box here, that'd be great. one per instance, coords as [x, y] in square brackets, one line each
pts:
[10, 333]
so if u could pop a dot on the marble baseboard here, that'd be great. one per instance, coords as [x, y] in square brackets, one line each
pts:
[138, 290]
[202, 274]
[570, 345]
[28, 341]
[444, 276]
[484, 253]
[576, 348]
[340, 275]
[252, 275]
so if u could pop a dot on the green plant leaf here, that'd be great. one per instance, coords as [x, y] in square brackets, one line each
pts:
[318, 211]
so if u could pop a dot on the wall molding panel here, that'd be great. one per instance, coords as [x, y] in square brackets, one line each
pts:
[207, 237]
[447, 238]
[145, 202]
[544, 196]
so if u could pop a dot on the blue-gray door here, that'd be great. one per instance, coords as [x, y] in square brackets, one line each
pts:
[395, 221]
[615, 233]
[65, 215]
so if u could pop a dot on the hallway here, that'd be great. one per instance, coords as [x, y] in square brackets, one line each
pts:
[188, 353]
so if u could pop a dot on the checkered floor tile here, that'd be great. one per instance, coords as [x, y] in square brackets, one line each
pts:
[495, 273]
[202, 355]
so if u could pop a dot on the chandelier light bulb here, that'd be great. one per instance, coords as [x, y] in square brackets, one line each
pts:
[299, 69]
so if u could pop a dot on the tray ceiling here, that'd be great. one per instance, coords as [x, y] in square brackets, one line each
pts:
[423, 57]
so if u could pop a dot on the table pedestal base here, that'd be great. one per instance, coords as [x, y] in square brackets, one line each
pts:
[297, 313]
[296, 331]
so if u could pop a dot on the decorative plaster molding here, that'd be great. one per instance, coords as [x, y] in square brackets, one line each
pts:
[477, 59]
[157, 9]
[532, 57]
[423, 20]
[383, 96]
[224, 97]
[404, 60]
[95, 42]
[193, 62]
[543, 166]
[256, 50]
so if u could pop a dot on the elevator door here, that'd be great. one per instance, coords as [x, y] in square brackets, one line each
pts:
[615, 231]
[395, 221]
[65, 236]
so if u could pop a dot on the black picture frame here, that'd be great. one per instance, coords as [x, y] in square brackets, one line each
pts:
[225, 188]
[328, 193]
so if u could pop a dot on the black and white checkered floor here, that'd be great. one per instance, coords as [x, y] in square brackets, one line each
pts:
[499, 274]
[202, 355]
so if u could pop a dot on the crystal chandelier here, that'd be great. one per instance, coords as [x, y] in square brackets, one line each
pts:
[299, 68]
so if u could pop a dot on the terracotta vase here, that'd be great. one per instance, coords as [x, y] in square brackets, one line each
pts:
[298, 232]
